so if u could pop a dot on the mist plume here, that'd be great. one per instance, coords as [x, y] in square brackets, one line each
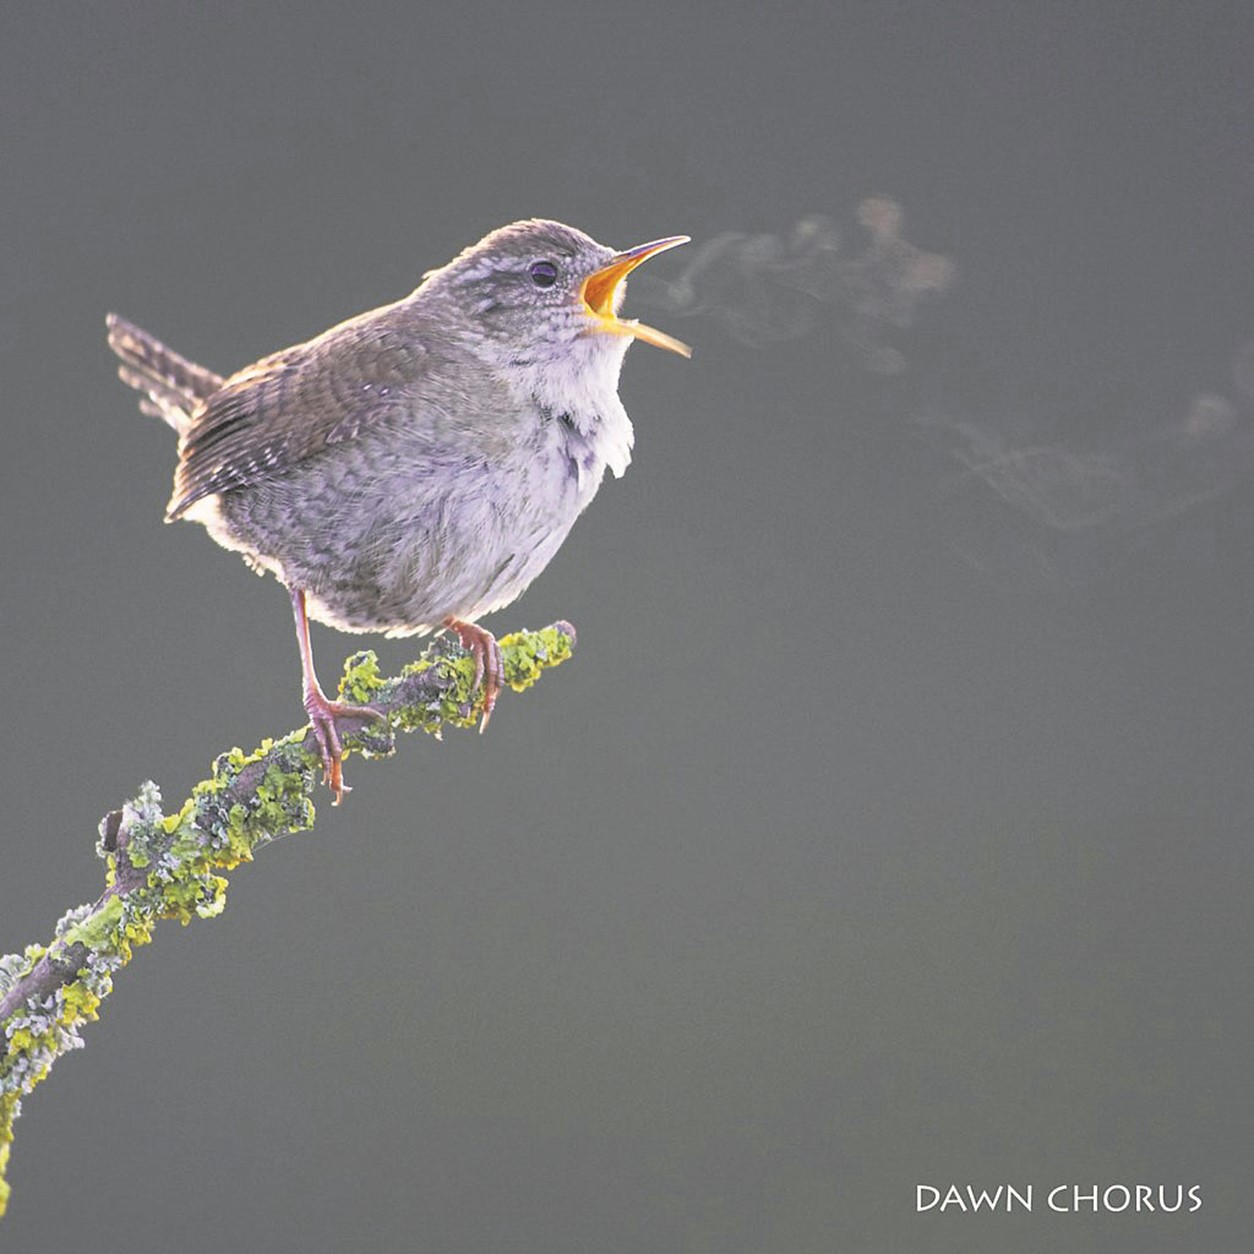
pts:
[768, 288]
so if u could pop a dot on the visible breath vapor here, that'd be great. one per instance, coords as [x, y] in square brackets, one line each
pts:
[1076, 505]
[767, 288]
[1136, 481]
[1081, 507]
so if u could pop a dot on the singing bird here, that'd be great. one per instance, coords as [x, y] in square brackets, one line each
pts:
[416, 467]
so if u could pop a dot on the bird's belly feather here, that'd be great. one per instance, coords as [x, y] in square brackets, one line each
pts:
[399, 545]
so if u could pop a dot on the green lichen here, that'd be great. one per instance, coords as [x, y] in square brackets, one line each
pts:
[99, 929]
[10, 1108]
[170, 866]
[361, 680]
[532, 652]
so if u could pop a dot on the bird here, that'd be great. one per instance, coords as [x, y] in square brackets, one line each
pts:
[415, 467]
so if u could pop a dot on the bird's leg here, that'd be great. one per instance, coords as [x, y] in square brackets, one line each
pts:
[322, 711]
[489, 665]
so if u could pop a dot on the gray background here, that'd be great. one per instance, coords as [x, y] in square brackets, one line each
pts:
[892, 823]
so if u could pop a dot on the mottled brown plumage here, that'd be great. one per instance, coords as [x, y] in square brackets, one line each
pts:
[417, 466]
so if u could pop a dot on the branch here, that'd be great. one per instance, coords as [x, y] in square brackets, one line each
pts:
[161, 866]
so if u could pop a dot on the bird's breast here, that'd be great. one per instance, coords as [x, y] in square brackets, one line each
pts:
[406, 530]
[581, 388]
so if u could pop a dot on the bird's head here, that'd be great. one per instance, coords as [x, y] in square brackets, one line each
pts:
[538, 290]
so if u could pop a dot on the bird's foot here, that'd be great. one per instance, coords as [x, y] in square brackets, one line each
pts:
[489, 664]
[323, 714]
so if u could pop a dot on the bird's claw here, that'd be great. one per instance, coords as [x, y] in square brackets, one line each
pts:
[323, 714]
[489, 662]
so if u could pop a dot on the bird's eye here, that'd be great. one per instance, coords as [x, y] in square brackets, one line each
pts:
[543, 273]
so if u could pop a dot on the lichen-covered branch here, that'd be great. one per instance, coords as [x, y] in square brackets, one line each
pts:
[169, 866]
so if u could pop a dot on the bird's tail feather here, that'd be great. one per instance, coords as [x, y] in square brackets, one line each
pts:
[172, 386]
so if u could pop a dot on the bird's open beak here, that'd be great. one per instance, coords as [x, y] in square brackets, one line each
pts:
[601, 286]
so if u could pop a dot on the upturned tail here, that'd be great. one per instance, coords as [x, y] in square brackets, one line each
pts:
[172, 387]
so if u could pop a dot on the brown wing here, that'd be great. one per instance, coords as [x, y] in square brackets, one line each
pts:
[294, 403]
